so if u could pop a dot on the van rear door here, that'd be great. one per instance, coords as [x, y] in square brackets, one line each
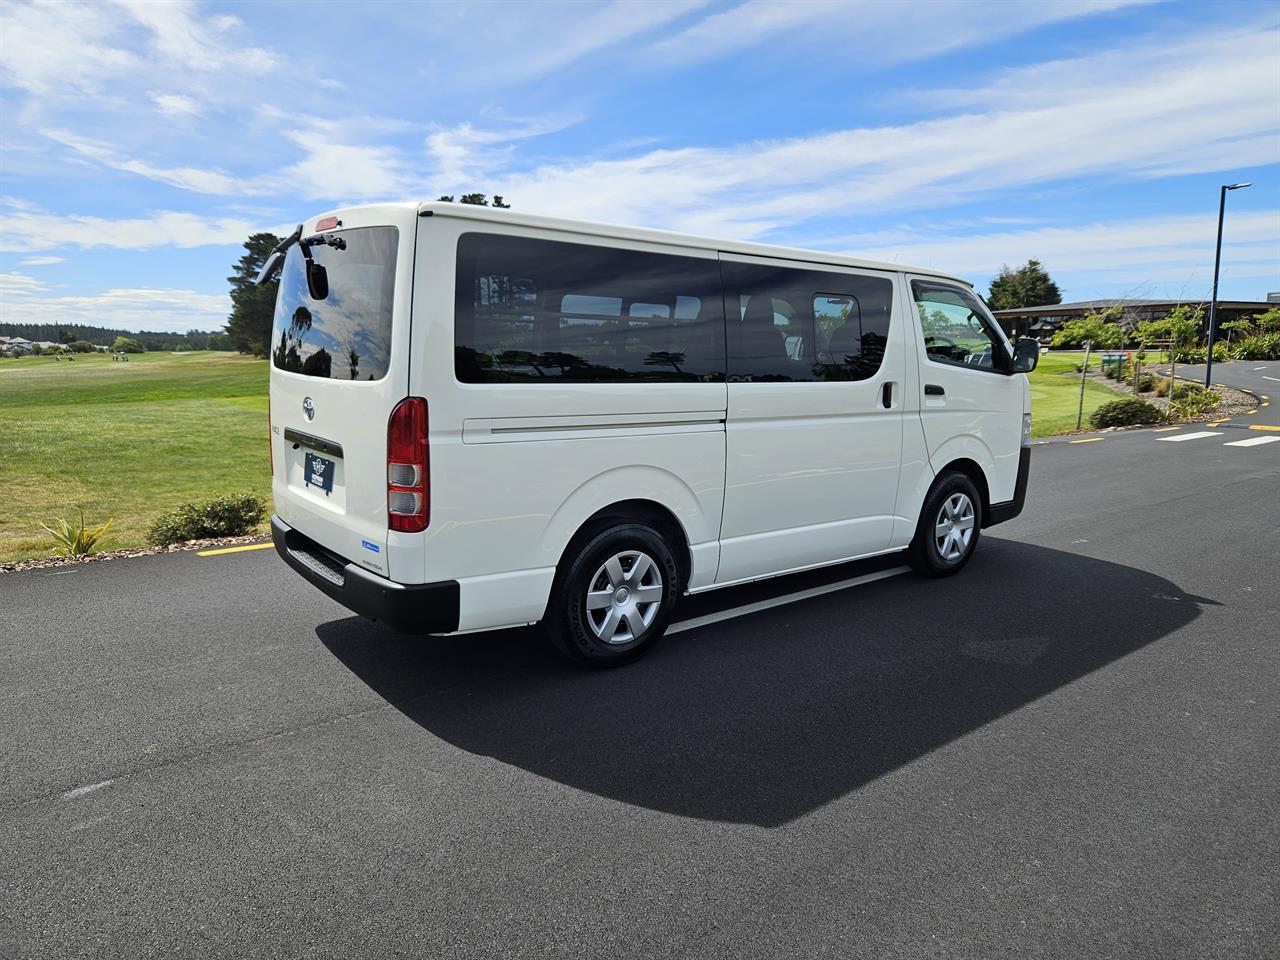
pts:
[339, 366]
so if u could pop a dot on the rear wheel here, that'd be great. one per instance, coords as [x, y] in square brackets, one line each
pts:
[613, 596]
[949, 527]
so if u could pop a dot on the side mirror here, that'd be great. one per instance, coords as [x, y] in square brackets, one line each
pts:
[317, 281]
[1026, 354]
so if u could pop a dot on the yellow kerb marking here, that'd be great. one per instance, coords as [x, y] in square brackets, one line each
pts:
[1263, 426]
[1254, 410]
[222, 550]
[1087, 440]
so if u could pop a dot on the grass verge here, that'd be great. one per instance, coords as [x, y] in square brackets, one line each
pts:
[125, 440]
[1055, 394]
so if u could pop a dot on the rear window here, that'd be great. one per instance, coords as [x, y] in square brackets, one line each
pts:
[542, 311]
[347, 335]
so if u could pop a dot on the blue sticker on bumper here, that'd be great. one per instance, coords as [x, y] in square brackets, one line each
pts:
[370, 546]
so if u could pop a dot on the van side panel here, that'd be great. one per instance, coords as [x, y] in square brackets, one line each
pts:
[517, 468]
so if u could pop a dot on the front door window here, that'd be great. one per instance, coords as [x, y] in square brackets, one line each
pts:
[956, 327]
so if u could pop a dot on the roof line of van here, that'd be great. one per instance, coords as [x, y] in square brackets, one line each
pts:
[669, 237]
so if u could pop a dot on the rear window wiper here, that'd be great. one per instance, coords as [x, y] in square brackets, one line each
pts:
[276, 257]
[316, 279]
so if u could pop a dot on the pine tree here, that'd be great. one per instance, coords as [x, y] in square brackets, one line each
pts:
[1028, 286]
[252, 306]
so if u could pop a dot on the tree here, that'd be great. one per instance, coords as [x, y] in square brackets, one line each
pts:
[1099, 329]
[477, 200]
[127, 345]
[1028, 286]
[252, 306]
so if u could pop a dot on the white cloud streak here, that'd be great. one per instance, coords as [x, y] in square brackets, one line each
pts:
[24, 299]
[1160, 251]
[31, 230]
[877, 32]
[1158, 116]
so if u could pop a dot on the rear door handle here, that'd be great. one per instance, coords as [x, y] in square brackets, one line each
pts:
[886, 396]
[933, 390]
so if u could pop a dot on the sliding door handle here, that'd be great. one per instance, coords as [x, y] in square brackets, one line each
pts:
[886, 396]
[934, 390]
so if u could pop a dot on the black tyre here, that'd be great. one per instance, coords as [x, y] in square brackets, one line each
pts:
[613, 597]
[949, 528]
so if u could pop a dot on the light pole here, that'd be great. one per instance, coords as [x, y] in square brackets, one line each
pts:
[1217, 261]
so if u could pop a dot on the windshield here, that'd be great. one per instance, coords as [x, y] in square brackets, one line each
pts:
[347, 335]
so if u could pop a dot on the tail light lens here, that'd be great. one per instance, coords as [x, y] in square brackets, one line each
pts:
[271, 451]
[408, 482]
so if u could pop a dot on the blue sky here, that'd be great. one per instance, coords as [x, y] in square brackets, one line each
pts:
[144, 141]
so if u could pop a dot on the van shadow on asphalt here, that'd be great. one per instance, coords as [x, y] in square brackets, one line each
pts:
[764, 718]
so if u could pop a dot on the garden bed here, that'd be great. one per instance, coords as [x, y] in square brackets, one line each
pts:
[42, 562]
[1233, 403]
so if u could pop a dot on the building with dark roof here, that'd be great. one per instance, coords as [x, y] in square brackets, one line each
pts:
[1041, 322]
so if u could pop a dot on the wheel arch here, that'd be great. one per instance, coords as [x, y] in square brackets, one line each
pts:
[642, 494]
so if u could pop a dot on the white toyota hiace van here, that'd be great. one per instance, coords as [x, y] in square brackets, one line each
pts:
[481, 419]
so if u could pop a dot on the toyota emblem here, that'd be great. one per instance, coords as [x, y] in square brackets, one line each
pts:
[309, 408]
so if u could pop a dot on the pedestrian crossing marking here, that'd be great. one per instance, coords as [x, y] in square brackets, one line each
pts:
[1190, 436]
[1252, 442]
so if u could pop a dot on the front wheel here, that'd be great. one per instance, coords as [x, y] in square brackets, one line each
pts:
[949, 527]
[614, 596]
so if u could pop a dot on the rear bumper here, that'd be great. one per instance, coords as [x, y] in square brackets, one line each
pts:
[1000, 512]
[406, 607]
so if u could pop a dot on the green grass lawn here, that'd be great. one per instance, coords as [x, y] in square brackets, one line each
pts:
[1055, 393]
[125, 440]
[134, 440]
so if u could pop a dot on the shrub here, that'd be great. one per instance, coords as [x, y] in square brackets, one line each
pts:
[1265, 346]
[1146, 383]
[1221, 353]
[1188, 391]
[1124, 412]
[1191, 400]
[1162, 388]
[73, 541]
[220, 517]
[127, 345]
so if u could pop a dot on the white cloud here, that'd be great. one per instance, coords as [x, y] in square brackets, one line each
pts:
[29, 230]
[62, 47]
[464, 155]
[41, 261]
[332, 167]
[880, 32]
[195, 179]
[1159, 115]
[175, 104]
[24, 299]
[1156, 256]
[72, 49]
[180, 36]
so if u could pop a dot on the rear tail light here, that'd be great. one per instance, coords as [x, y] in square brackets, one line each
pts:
[271, 453]
[408, 481]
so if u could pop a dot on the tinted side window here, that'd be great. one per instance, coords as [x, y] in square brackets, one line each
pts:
[535, 311]
[786, 324]
[955, 328]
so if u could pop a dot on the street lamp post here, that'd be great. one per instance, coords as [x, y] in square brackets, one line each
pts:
[1217, 261]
